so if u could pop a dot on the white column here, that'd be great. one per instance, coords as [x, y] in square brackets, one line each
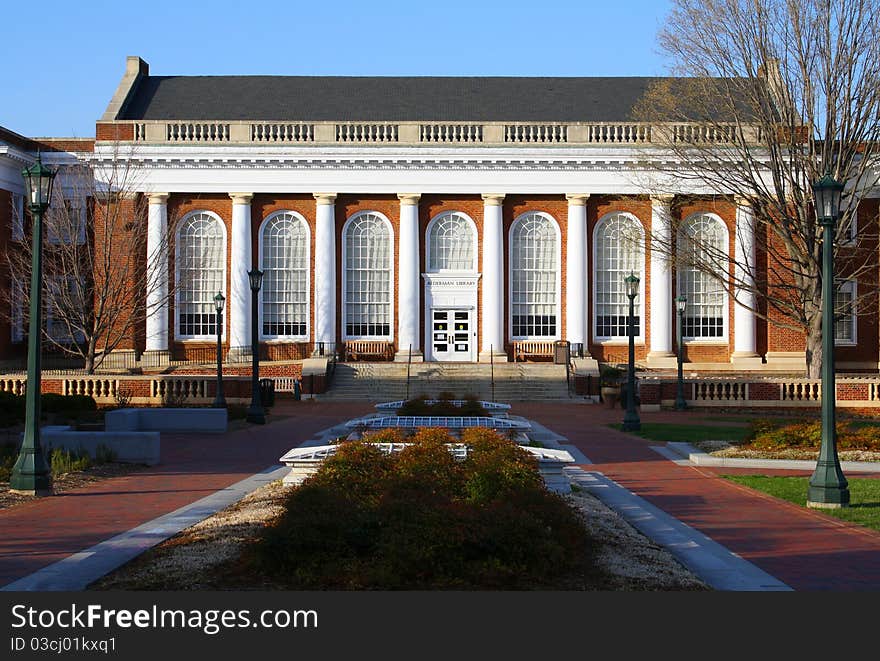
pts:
[576, 289]
[660, 353]
[744, 345]
[325, 271]
[493, 279]
[157, 273]
[239, 297]
[408, 279]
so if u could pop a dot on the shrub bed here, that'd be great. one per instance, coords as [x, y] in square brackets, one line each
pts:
[420, 519]
[775, 435]
[68, 407]
[443, 406]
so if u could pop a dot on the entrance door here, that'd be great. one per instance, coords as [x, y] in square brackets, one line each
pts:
[452, 335]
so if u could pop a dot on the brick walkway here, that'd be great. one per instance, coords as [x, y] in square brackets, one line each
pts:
[803, 548]
[193, 466]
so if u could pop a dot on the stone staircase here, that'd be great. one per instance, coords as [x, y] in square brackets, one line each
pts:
[387, 381]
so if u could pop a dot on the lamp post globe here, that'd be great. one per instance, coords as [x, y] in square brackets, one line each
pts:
[31, 474]
[220, 398]
[631, 421]
[255, 412]
[680, 306]
[828, 487]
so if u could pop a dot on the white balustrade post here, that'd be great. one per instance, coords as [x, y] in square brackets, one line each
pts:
[744, 327]
[493, 279]
[157, 273]
[240, 263]
[660, 353]
[325, 272]
[576, 288]
[408, 279]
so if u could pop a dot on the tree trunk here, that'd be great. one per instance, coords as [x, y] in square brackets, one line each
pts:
[814, 347]
[90, 356]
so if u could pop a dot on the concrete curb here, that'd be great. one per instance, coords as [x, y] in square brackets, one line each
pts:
[698, 458]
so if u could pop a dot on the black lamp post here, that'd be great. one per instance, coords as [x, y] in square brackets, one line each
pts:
[828, 487]
[255, 412]
[631, 421]
[219, 399]
[31, 474]
[680, 305]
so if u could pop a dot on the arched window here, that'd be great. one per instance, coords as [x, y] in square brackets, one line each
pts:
[619, 244]
[284, 259]
[367, 247]
[702, 253]
[451, 243]
[201, 273]
[534, 277]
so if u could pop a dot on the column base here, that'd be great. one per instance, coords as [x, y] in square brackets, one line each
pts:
[33, 492]
[155, 358]
[661, 359]
[404, 356]
[795, 361]
[492, 357]
[746, 360]
[238, 355]
[586, 366]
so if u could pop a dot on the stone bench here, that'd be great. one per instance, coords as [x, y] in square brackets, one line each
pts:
[197, 420]
[129, 447]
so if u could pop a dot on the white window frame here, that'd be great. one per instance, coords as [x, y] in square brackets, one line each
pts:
[48, 304]
[643, 309]
[428, 242]
[307, 261]
[177, 287]
[391, 270]
[558, 283]
[722, 339]
[17, 207]
[852, 285]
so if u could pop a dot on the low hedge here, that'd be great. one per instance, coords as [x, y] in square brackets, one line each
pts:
[443, 406]
[420, 519]
[775, 435]
[13, 407]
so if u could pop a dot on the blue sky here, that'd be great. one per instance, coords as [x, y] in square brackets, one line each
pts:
[82, 45]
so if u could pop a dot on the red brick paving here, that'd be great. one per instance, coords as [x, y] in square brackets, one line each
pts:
[193, 466]
[806, 549]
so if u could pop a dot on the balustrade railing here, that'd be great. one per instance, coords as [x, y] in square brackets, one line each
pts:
[197, 132]
[450, 133]
[282, 132]
[619, 133]
[366, 132]
[535, 133]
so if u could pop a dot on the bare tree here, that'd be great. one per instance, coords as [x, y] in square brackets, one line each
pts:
[95, 262]
[770, 96]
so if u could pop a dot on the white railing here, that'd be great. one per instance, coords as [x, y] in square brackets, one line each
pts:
[450, 133]
[618, 133]
[282, 132]
[366, 132]
[193, 132]
[700, 134]
[97, 388]
[800, 391]
[140, 131]
[535, 133]
[14, 385]
[720, 391]
[180, 388]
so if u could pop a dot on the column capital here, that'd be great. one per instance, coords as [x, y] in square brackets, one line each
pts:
[742, 201]
[241, 198]
[577, 199]
[493, 199]
[411, 199]
[325, 198]
[664, 198]
[158, 198]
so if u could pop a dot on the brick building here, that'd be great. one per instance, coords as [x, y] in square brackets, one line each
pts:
[447, 217]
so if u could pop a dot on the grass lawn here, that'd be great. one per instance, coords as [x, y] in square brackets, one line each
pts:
[665, 431]
[864, 493]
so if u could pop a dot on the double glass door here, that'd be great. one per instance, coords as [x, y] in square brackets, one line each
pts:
[452, 335]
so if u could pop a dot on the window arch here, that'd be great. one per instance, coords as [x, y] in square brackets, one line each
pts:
[452, 243]
[200, 261]
[284, 260]
[534, 277]
[703, 252]
[367, 276]
[619, 249]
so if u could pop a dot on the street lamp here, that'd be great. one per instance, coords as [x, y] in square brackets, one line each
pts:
[255, 412]
[219, 399]
[31, 474]
[828, 487]
[680, 304]
[631, 420]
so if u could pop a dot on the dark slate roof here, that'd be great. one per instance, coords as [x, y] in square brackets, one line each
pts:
[346, 98]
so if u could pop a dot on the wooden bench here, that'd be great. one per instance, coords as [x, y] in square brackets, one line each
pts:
[531, 349]
[360, 349]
